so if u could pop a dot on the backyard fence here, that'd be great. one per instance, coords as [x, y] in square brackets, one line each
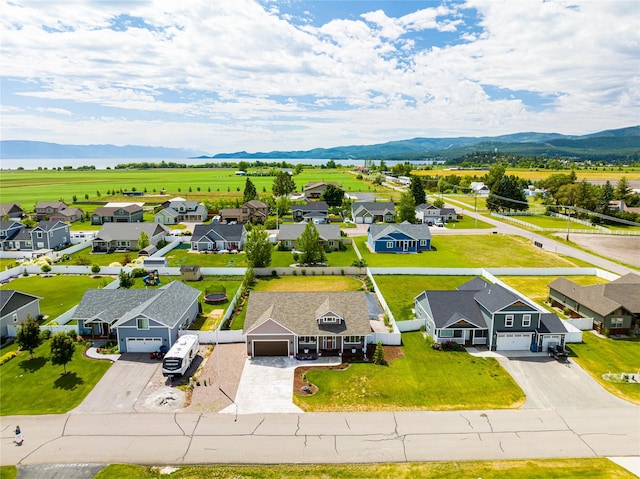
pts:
[583, 324]
[217, 337]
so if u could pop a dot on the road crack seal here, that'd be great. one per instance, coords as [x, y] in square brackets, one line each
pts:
[298, 429]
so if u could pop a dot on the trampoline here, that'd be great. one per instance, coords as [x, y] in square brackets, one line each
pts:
[215, 298]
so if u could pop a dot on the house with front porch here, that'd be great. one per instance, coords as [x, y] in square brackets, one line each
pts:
[481, 313]
[124, 236]
[253, 211]
[141, 320]
[316, 211]
[218, 237]
[330, 237]
[131, 213]
[180, 210]
[373, 212]
[307, 324]
[614, 307]
[428, 214]
[399, 238]
[315, 189]
[46, 235]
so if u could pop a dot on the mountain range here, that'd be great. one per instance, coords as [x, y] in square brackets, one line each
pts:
[608, 144]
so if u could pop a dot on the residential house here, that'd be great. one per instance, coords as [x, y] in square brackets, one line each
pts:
[17, 307]
[402, 238]
[307, 324]
[124, 236]
[218, 237]
[373, 212]
[315, 189]
[45, 209]
[614, 306]
[67, 215]
[330, 237]
[479, 188]
[130, 213]
[312, 211]
[179, 210]
[46, 235]
[428, 214]
[253, 211]
[12, 211]
[141, 320]
[8, 231]
[480, 313]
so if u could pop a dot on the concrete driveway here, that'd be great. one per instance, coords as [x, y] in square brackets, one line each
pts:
[548, 383]
[266, 385]
[121, 386]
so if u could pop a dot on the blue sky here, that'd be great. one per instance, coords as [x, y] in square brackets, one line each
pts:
[231, 75]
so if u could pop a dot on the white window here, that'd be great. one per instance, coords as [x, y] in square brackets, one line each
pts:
[423, 242]
[616, 322]
[38, 234]
[389, 244]
[508, 321]
[352, 339]
[526, 320]
[307, 339]
[330, 319]
[446, 333]
[143, 323]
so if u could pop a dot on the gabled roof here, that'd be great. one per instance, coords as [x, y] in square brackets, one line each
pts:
[166, 305]
[110, 210]
[373, 207]
[298, 312]
[50, 225]
[315, 184]
[6, 225]
[7, 208]
[293, 231]
[11, 300]
[255, 204]
[449, 307]
[603, 298]
[311, 206]
[492, 296]
[550, 323]
[129, 231]
[218, 231]
[416, 232]
[68, 212]
[51, 204]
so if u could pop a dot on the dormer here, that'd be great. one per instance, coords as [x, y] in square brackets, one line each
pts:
[325, 314]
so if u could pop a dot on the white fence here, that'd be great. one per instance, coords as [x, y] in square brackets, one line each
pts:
[311, 271]
[217, 337]
[574, 335]
[388, 339]
[410, 325]
[12, 331]
[595, 229]
[583, 324]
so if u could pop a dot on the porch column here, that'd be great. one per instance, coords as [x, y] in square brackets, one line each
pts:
[317, 344]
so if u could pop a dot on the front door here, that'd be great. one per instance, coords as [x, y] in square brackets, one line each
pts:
[329, 342]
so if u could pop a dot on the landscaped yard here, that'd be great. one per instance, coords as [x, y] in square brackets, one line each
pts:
[334, 258]
[600, 356]
[536, 288]
[87, 257]
[35, 386]
[423, 379]
[468, 223]
[469, 251]
[591, 468]
[399, 290]
[59, 293]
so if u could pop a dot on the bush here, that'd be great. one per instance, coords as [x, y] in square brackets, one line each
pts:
[83, 261]
[8, 357]
[274, 273]
[138, 273]
[45, 268]
[45, 334]
[95, 269]
[359, 263]
[270, 224]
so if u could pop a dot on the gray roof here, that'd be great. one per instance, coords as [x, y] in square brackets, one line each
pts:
[217, 232]
[417, 231]
[51, 204]
[603, 298]
[374, 207]
[449, 307]
[49, 225]
[5, 225]
[492, 296]
[166, 305]
[110, 210]
[298, 312]
[11, 300]
[129, 231]
[311, 206]
[550, 323]
[293, 232]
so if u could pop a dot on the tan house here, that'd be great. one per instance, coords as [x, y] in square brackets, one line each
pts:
[67, 215]
[45, 209]
[315, 189]
[253, 211]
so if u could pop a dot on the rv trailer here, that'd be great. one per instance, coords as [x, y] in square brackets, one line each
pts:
[179, 357]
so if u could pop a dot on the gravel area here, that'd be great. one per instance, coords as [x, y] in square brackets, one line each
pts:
[618, 248]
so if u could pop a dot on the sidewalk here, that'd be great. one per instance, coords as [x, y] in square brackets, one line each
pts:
[93, 353]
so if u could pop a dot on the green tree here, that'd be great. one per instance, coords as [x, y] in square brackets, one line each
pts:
[604, 197]
[438, 203]
[143, 240]
[507, 195]
[585, 196]
[496, 172]
[298, 169]
[283, 184]
[623, 190]
[258, 248]
[126, 279]
[311, 246]
[62, 349]
[29, 222]
[250, 192]
[283, 204]
[406, 208]
[28, 335]
[333, 195]
[378, 355]
[417, 190]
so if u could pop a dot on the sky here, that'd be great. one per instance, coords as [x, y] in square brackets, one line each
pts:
[244, 75]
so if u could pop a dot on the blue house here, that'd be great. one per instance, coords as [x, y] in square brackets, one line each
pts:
[402, 238]
[141, 320]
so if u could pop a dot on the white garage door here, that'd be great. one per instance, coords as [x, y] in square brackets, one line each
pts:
[368, 219]
[513, 342]
[553, 339]
[359, 219]
[143, 345]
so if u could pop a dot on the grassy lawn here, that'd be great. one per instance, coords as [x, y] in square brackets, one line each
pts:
[400, 299]
[423, 379]
[7, 263]
[99, 259]
[59, 293]
[334, 258]
[469, 202]
[468, 223]
[183, 256]
[544, 221]
[469, 251]
[536, 288]
[592, 468]
[35, 386]
[600, 356]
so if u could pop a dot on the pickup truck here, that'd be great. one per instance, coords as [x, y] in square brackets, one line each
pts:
[558, 352]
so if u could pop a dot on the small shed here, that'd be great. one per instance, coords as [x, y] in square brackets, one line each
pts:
[148, 251]
[153, 262]
[190, 273]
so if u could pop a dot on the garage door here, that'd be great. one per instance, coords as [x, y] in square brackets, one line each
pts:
[359, 219]
[143, 345]
[368, 219]
[552, 339]
[271, 348]
[513, 342]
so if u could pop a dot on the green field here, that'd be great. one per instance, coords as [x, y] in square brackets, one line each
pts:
[469, 251]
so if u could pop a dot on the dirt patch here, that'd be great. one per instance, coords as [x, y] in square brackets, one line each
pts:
[625, 249]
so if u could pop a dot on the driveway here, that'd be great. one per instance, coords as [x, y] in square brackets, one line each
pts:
[266, 385]
[548, 383]
[121, 386]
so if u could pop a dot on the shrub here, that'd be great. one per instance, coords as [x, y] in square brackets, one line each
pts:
[45, 334]
[8, 357]
[304, 272]
[95, 269]
[83, 261]
[274, 273]
[45, 268]
[359, 263]
[138, 273]
[378, 355]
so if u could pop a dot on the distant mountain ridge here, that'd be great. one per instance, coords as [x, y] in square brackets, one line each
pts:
[19, 149]
[618, 143]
